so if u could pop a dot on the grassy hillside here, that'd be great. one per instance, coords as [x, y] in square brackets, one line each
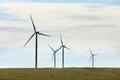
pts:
[61, 74]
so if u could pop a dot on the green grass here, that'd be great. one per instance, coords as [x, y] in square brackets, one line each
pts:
[60, 74]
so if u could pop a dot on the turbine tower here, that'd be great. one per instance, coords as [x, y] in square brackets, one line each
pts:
[63, 48]
[36, 33]
[54, 55]
[92, 57]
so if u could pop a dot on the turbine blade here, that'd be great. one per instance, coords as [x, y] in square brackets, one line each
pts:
[90, 58]
[51, 48]
[91, 51]
[67, 48]
[58, 49]
[29, 39]
[61, 39]
[43, 34]
[33, 23]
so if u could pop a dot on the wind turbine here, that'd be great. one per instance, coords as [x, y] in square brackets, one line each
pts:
[92, 57]
[36, 33]
[63, 47]
[54, 55]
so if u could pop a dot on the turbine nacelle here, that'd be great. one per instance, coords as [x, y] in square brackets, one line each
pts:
[37, 32]
[94, 54]
[63, 46]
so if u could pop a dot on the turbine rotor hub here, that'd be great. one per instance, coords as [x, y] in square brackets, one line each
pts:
[63, 45]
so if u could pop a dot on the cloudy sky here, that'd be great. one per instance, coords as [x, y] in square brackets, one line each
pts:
[83, 24]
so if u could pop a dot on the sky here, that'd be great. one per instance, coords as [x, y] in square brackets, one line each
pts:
[83, 24]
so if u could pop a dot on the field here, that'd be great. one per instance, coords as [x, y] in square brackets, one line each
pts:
[60, 74]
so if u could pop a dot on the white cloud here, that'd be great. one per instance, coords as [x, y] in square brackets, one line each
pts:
[82, 24]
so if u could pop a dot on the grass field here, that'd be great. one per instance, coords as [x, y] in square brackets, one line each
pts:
[60, 74]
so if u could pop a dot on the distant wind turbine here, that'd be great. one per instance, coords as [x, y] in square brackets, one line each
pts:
[36, 33]
[54, 55]
[63, 47]
[92, 57]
